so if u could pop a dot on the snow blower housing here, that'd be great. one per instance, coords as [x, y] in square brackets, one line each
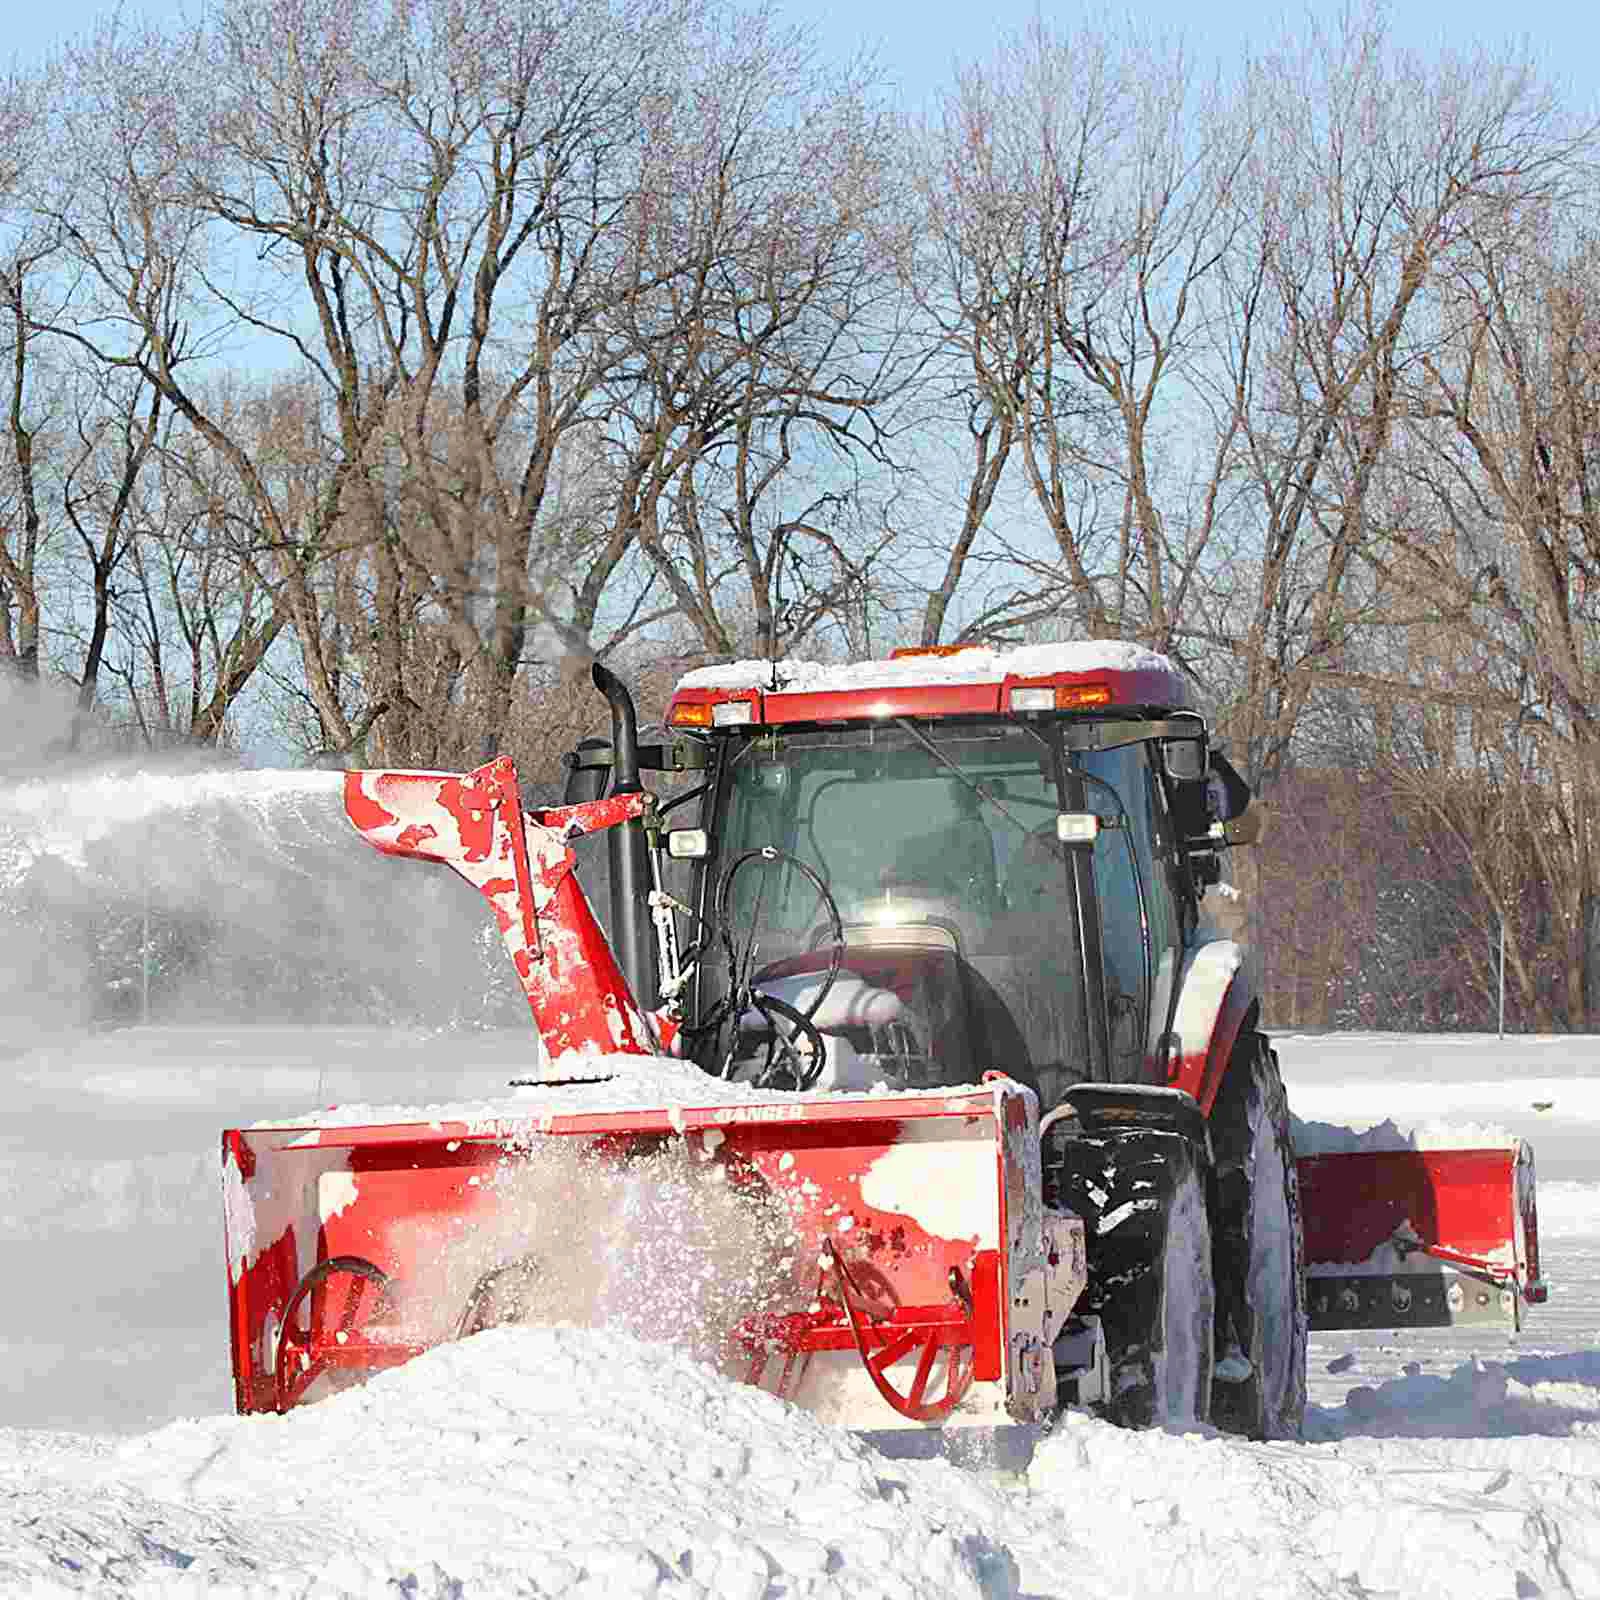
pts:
[911, 968]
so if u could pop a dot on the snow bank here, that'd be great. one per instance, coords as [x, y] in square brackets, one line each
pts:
[1202, 1515]
[552, 1461]
[519, 1462]
[1482, 1400]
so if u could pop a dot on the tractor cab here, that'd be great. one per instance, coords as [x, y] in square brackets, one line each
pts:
[912, 872]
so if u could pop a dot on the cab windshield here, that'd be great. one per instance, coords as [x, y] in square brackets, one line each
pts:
[938, 845]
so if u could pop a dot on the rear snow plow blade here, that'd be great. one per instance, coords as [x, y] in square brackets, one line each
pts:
[882, 1261]
[1420, 1238]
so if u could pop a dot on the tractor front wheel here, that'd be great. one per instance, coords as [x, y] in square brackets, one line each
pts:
[1142, 1195]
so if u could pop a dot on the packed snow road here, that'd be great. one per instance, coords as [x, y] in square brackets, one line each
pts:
[576, 1461]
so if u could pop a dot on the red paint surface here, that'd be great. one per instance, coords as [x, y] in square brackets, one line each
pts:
[1200, 1072]
[362, 808]
[1464, 1200]
[474, 823]
[414, 1196]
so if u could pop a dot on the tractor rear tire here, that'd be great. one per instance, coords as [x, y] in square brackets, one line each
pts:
[1142, 1195]
[1258, 1252]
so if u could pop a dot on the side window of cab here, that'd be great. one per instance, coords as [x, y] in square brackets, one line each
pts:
[1141, 921]
[1122, 885]
[1164, 891]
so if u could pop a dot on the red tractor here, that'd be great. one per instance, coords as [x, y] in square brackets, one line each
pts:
[911, 962]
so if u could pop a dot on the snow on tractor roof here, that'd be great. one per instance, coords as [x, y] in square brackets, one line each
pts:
[973, 664]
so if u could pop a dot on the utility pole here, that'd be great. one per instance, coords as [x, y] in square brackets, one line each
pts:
[144, 954]
[1502, 974]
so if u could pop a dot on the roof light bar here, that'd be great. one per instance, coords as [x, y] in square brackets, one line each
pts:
[1057, 696]
[1072, 696]
[1033, 699]
[908, 651]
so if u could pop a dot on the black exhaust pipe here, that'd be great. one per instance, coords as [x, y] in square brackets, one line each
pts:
[628, 850]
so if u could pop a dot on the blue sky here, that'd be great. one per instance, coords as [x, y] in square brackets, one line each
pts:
[918, 42]
[918, 39]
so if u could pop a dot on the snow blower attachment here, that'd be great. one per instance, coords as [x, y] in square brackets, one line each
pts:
[891, 1255]
[1421, 1238]
[909, 1084]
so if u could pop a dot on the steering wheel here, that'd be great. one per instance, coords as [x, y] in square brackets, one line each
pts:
[783, 1055]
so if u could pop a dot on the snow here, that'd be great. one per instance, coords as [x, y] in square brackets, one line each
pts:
[512, 1463]
[1203, 985]
[585, 1461]
[49, 817]
[1329, 1138]
[966, 1205]
[979, 664]
[621, 1082]
[618, 1082]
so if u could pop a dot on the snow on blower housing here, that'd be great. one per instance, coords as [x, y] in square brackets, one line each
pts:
[910, 1082]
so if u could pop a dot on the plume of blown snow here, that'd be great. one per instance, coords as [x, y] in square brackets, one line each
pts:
[180, 888]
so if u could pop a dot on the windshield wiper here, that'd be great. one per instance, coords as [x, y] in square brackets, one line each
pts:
[976, 787]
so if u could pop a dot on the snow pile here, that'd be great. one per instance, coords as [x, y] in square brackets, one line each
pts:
[519, 1462]
[1477, 1400]
[1201, 1515]
[554, 1461]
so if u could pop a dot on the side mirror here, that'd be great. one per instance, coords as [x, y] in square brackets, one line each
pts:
[1229, 793]
[1184, 759]
[588, 771]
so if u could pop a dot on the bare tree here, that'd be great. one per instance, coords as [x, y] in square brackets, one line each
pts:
[1380, 170]
[751, 392]
[422, 208]
[22, 532]
[1503, 550]
[22, 251]
[194, 621]
[115, 431]
[1084, 192]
